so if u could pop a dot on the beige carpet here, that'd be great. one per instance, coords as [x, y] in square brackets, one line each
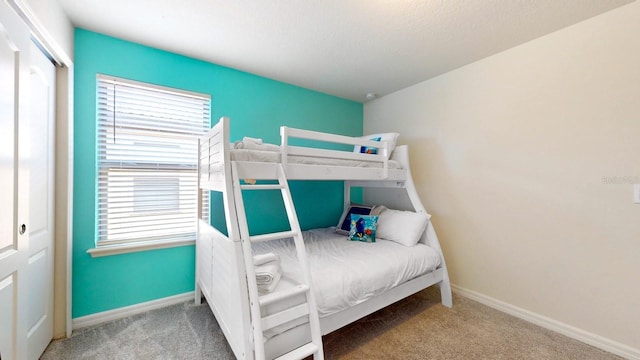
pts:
[418, 327]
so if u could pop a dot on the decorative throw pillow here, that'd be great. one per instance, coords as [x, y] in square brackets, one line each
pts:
[363, 228]
[390, 138]
[370, 150]
[344, 225]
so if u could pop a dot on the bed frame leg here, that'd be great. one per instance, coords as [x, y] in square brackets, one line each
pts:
[445, 293]
[198, 295]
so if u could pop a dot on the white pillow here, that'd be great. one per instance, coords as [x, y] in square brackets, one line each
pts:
[403, 227]
[390, 138]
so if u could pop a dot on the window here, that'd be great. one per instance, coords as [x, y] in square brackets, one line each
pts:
[147, 163]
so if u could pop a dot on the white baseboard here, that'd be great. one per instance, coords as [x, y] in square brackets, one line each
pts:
[554, 325]
[110, 315]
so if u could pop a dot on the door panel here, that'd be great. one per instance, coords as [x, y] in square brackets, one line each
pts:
[37, 305]
[7, 296]
[41, 231]
[14, 181]
[7, 140]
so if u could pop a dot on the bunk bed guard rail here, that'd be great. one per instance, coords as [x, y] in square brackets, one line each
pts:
[287, 133]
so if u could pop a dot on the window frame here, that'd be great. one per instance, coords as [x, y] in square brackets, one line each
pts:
[176, 169]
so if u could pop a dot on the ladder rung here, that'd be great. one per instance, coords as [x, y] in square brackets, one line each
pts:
[262, 187]
[283, 294]
[273, 236]
[284, 316]
[300, 353]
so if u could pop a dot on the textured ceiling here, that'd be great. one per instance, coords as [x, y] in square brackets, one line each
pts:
[345, 48]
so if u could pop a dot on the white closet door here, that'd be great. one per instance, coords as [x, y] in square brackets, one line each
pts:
[14, 183]
[41, 195]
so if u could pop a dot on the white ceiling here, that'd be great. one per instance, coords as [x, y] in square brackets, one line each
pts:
[345, 48]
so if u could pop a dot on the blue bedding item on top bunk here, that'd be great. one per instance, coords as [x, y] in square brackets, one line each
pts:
[370, 150]
[391, 138]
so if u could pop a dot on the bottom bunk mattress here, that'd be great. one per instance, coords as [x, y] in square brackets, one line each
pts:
[346, 273]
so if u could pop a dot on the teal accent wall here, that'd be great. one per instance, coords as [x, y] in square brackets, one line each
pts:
[257, 107]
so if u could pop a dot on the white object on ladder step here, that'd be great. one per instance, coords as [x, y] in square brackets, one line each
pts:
[284, 316]
[300, 353]
[282, 294]
[273, 236]
[308, 308]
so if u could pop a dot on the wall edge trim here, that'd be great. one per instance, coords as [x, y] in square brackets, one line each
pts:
[586, 337]
[119, 313]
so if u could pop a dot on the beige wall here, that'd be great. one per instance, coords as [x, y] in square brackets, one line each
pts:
[526, 159]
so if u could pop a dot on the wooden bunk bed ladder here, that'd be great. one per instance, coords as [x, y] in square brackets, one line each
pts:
[308, 308]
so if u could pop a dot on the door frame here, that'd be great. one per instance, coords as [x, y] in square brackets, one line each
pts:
[63, 218]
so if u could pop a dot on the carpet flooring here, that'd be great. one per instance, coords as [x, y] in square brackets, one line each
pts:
[418, 327]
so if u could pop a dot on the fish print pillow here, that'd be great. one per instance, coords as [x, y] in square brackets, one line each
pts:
[363, 228]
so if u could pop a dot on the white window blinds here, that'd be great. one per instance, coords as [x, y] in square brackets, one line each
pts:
[147, 162]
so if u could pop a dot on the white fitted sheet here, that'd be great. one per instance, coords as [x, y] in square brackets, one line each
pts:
[346, 273]
[272, 156]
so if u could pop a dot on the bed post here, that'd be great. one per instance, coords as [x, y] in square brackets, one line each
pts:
[198, 291]
[412, 192]
[347, 194]
[233, 231]
[284, 142]
[401, 154]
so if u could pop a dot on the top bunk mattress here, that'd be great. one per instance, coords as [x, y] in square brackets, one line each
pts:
[346, 273]
[274, 156]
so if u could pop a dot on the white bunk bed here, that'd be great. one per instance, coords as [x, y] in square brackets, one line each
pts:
[221, 275]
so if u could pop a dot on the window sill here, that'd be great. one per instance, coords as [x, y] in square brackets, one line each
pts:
[129, 248]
